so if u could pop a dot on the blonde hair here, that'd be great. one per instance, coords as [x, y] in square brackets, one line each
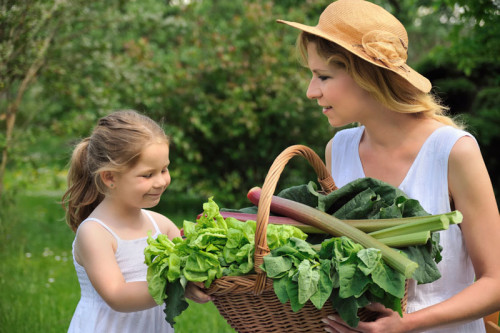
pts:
[385, 86]
[115, 145]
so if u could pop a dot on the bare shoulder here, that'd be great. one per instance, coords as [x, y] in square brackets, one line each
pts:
[93, 241]
[469, 181]
[92, 230]
[165, 225]
[465, 161]
[465, 147]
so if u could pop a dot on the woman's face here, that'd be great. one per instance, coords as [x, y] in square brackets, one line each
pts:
[342, 99]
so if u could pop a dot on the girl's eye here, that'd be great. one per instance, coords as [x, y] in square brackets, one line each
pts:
[164, 170]
[323, 77]
[148, 175]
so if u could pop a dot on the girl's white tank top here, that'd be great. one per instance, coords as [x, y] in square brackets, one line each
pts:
[427, 182]
[94, 315]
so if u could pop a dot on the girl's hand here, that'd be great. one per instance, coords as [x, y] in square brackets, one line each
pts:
[388, 321]
[195, 293]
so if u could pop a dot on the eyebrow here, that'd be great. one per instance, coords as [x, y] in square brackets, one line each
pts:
[320, 71]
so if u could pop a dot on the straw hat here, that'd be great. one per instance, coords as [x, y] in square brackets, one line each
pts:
[371, 33]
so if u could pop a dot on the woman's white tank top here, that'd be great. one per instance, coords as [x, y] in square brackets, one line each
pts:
[427, 182]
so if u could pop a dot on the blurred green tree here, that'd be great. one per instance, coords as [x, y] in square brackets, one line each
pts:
[223, 78]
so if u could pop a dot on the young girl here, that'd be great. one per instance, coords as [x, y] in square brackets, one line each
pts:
[357, 55]
[115, 174]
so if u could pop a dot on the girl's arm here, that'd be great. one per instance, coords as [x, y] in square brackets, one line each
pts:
[166, 226]
[95, 250]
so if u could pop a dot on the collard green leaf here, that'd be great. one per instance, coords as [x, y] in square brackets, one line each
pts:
[175, 303]
[300, 193]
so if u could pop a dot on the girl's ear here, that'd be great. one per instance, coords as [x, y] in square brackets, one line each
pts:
[108, 178]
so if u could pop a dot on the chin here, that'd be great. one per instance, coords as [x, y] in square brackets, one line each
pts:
[150, 204]
[338, 123]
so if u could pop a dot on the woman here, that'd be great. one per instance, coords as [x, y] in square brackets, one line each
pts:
[357, 55]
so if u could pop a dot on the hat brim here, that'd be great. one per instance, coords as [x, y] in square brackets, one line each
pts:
[409, 74]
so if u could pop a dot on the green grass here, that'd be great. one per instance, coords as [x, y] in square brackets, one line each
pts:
[38, 285]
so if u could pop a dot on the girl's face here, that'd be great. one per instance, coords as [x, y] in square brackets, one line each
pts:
[142, 185]
[341, 98]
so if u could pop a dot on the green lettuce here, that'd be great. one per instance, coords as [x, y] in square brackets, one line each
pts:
[212, 247]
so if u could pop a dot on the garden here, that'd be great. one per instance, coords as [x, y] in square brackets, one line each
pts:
[223, 80]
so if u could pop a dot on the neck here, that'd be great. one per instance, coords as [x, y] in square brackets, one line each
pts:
[111, 211]
[391, 129]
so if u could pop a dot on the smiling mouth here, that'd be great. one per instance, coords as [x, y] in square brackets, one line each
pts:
[326, 108]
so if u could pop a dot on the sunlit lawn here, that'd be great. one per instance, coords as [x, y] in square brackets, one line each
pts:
[38, 285]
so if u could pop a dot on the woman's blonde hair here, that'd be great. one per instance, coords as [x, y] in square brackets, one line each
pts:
[115, 145]
[385, 86]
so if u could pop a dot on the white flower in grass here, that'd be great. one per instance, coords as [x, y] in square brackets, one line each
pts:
[47, 252]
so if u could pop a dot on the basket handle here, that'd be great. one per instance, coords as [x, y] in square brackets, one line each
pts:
[325, 180]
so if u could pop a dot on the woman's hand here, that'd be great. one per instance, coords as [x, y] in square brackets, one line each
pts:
[388, 321]
[195, 293]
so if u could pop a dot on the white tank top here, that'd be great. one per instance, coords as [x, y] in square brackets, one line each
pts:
[427, 182]
[93, 314]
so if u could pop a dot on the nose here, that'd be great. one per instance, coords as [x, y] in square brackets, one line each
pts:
[313, 91]
[162, 180]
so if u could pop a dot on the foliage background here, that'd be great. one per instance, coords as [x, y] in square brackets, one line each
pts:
[220, 75]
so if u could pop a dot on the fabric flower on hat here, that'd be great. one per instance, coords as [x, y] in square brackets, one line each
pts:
[386, 47]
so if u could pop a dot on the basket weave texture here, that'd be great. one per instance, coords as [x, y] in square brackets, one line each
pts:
[248, 302]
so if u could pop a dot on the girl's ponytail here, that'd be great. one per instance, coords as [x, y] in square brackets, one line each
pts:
[82, 195]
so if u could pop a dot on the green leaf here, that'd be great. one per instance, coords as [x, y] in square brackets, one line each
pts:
[389, 280]
[352, 281]
[292, 290]
[175, 303]
[280, 288]
[308, 281]
[325, 285]
[275, 267]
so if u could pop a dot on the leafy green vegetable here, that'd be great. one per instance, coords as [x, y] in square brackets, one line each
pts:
[369, 198]
[342, 271]
[212, 247]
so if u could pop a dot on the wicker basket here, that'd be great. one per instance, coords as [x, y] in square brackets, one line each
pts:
[248, 302]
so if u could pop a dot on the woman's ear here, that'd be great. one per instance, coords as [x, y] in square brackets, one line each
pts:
[108, 178]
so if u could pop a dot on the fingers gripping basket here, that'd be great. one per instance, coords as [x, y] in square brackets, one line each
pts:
[248, 302]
